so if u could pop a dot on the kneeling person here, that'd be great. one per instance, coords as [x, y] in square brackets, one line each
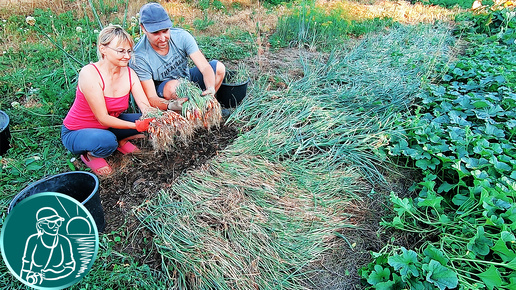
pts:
[161, 60]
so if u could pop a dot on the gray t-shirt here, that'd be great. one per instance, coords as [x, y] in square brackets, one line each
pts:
[148, 64]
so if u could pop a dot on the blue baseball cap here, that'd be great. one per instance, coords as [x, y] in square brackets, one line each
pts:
[154, 17]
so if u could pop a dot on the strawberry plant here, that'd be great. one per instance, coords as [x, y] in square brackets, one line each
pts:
[461, 136]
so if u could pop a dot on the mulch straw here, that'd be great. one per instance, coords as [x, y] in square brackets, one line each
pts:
[244, 223]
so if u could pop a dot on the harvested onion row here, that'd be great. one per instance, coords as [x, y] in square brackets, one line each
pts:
[199, 110]
[168, 127]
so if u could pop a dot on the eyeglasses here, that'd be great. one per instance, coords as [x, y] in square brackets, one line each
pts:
[52, 224]
[121, 52]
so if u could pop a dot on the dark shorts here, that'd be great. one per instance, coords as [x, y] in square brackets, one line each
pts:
[195, 76]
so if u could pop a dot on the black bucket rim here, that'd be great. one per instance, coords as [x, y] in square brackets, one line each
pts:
[4, 116]
[15, 200]
[228, 75]
[236, 84]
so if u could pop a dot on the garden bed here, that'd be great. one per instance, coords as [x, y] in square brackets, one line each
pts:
[139, 177]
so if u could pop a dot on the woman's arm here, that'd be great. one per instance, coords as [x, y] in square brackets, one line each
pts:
[90, 85]
[139, 94]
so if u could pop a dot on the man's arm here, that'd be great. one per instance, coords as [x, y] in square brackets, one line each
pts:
[207, 72]
[152, 95]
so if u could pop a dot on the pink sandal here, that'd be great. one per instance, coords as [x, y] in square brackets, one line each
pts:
[96, 163]
[128, 148]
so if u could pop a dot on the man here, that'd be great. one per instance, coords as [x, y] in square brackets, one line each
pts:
[161, 59]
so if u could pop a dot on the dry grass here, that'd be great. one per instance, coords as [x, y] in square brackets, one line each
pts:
[401, 11]
[27, 7]
[250, 17]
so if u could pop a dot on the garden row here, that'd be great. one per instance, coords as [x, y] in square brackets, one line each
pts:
[461, 136]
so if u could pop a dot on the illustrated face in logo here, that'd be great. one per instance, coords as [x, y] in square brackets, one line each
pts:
[48, 221]
[52, 246]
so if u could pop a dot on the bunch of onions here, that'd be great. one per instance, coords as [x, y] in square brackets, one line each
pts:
[200, 110]
[168, 128]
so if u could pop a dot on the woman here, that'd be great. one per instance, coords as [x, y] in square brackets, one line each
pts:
[96, 126]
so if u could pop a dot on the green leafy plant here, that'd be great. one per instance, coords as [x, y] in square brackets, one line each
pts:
[461, 137]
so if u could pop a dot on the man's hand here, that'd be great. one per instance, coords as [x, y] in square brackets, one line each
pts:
[143, 125]
[209, 91]
[176, 105]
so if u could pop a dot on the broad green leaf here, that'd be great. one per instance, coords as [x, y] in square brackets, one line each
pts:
[444, 219]
[458, 72]
[480, 174]
[420, 285]
[401, 205]
[512, 285]
[440, 275]
[447, 78]
[431, 200]
[481, 104]
[457, 134]
[445, 187]
[378, 275]
[511, 264]
[500, 166]
[491, 278]
[500, 248]
[500, 203]
[493, 131]
[439, 91]
[461, 170]
[459, 118]
[388, 285]
[510, 214]
[459, 199]
[508, 236]
[496, 147]
[480, 244]
[433, 253]
[405, 263]
[398, 147]
[510, 123]
[500, 79]
[495, 221]
[427, 163]
[396, 222]
[34, 166]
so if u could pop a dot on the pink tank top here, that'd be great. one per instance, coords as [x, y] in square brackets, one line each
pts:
[81, 116]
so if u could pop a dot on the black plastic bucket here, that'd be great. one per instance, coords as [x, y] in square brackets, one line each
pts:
[5, 135]
[230, 94]
[80, 185]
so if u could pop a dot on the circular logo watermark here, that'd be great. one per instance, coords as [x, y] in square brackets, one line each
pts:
[49, 241]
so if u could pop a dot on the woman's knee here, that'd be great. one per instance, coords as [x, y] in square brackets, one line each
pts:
[103, 145]
[105, 148]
